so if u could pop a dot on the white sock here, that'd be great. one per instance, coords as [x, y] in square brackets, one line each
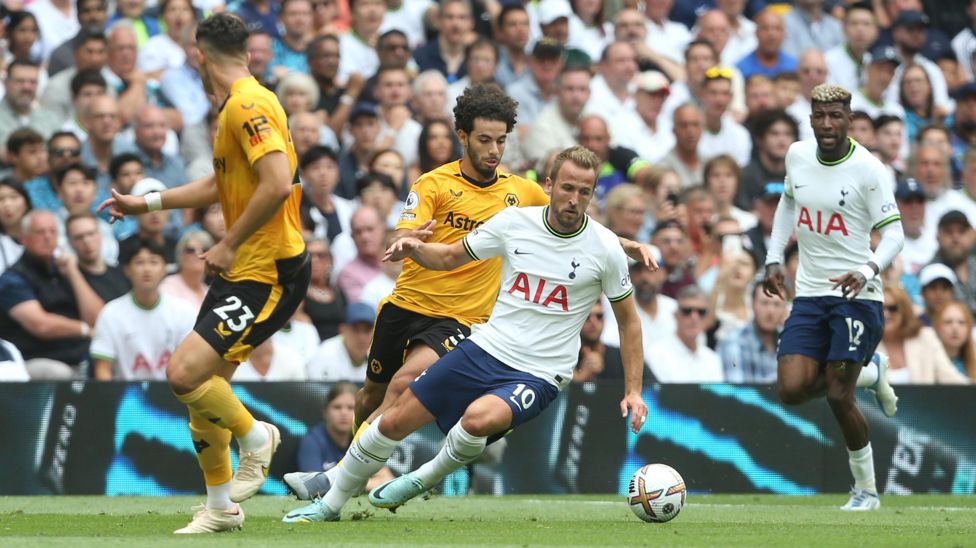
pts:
[862, 467]
[366, 456]
[868, 376]
[218, 497]
[332, 473]
[255, 439]
[459, 449]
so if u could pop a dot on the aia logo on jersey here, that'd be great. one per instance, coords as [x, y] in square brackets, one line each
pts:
[256, 128]
[141, 363]
[821, 225]
[461, 221]
[541, 292]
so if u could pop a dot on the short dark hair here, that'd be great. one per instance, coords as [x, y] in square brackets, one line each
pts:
[700, 42]
[509, 8]
[861, 115]
[130, 250]
[486, 101]
[120, 160]
[77, 217]
[375, 177]
[59, 134]
[316, 42]
[766, 120]
[316, 153]
[87, 34]
[940, 129]
[21, 138]
[10, 183]
[479, 43]
[88, 172]
[391, 33]
[223, 33]
[885, 119]
[91, 77]
[21, 63]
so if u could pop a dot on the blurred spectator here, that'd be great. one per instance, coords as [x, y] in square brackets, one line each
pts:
[934, 174]
[137, 332]
[879, 71]
[12, 368]
[915, 352]
[56, 20]
[393, 50]
[625, 209]
[378, 191]
[430, 97]
[963, 123]
[964, 43]
[446, 54]
[261, 16]
[729, 302]
[91, 14]
[150, 130]
[397, 129]
[862, 129]
[808, 26]
[307, 130]
[684, 158]
[325, 213]
[326, 443]
[152, 224]
[46, 307]
[720, 235]
[846, 60]
[662, 193]
[916, 98]
[367, 229]
[620, 164]
[954, 325]
[649, 132]
[774, 132]
[324, 303]
[715, 26]
[86, 235]
[765, 207]
[390, 162]
[723, 134]
[749, 354]
[18, 107]
[700, 207]
[24, 40]
[437, 146]
[811, 71]
[102, 121]
[410, 19]
[956, 238]
[480, 62]
[889, 134]
[14, 205]
[89, 54]
[135, 88]
[612, 90]
[512, 36]
[679, 357]
[553, 18]
[299, 335]
[165, 50]
[271, 361]
[133, 14]
[787, 88]
[334, 101]
[382, 286]
[743, 36]
[768, 59]
[358, 56]
[589, 27]
[85, 87]
[289, 48]
[125, 171]
[909, 32]
[671, 239]
[938, 287]
[537, 87]
[940, 137]
[26, 157]
[556, 125]
[592, 355]
[656, 311]
[259, 57]
[722, 180]
[181, 85]
[188, 284]
[664, 35]
[920, 243]
[297, 92]
[343, 357]
[354, 162]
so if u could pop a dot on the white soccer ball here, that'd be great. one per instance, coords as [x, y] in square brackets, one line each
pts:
[656, 493]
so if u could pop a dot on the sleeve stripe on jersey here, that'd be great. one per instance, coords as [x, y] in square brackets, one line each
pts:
[96, 356]
[888, 221]
[621, 297]
[468, 249]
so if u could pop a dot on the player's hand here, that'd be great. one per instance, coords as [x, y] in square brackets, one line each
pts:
[634, 404]
[850, 284]
[423, 231]
[218, 259]
[120, 205]
[774, 283]
[401, 249]
[640, 253]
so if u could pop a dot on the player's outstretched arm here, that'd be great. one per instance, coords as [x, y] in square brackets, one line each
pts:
[639, 252]
[632, 354]
[434, 256]
[195, 194]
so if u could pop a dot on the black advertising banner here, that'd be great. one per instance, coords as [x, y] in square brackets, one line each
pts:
[132, 439]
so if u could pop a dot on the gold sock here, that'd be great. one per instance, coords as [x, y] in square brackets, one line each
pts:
[216, 402]
[212, 443]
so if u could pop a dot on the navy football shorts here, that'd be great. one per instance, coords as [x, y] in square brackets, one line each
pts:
[833, 329]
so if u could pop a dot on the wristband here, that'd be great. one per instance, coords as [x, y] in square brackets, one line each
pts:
[867, 271]
[154, 201]
[85, 330]
[346, 100]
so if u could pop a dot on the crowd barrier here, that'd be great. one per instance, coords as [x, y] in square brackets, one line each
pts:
[132, 439]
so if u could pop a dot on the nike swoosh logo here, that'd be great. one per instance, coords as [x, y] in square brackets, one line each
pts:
[378, 494]
[799, 186]
[517, 252]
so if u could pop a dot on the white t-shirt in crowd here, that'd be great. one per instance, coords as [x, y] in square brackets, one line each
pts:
[653, 330]
[331, 362]
[672, 362]
[301, 337]
[731, 139]
[357, 56]
[286, 365]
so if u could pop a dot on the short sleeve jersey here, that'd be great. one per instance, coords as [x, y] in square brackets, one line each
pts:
[252, 124]
[459, 205]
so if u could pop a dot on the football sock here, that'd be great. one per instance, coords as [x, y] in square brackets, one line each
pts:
[218, 497]
[256, 438]
[215, 401]
[366, 456]
[331, 473]
[212, 444]
[862, 467]
[868, 376]
[359, 432]
[459, 449]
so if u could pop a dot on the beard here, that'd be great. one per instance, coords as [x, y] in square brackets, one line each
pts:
[645, 293]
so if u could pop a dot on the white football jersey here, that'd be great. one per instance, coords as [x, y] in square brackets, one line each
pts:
[549, 284]
[141, 340]
[837, 205]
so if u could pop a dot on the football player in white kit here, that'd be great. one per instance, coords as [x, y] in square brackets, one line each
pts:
[835, 193]
[556, 262]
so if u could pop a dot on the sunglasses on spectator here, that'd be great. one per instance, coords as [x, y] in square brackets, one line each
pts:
[891, 308]
[688, 311]
[716, 73]
[65, 152]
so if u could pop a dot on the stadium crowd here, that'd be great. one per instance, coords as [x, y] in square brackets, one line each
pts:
[691, 105]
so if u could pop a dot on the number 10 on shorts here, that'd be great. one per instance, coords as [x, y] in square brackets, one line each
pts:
[855, 328]
[522, 397]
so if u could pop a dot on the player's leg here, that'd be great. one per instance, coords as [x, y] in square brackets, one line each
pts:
[418, 359]
[799, 379]
[802, 352]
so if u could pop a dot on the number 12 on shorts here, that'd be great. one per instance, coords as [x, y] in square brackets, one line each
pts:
[522, 397]
[855, 328]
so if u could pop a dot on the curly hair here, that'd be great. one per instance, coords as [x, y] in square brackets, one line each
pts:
[223, 33]
[486, 101]
[831, 93]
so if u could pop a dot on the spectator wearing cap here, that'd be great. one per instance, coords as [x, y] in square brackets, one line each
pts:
[764, 207]
[964, 43]
[537, 87]
[446, 53]
[808, 26]
[367, 230]
[358, 56]
[749, 353]
[908, 33]
[847, 59]
[769, 59]
[46, 306]
[722, 134]
[665, 36]
[556, 126]
[773, 131]
[18, 107]
[364, 128]
[956, 238]
[553, 16]
[92, 14]
[938, 285]
[152, 225]
[326, 214]
[962, 124]
[512, 36]
[880, 65]
[649, 132]
[920, 242]
[672, 239]
[681, 357]
[687, 123]
[620, 164]
[343, 357]
[612, 89]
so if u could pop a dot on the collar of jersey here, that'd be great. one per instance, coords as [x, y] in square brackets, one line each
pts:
[554, 232]
[839, 161]
[141, 307]
[234, 87]
[478, 184]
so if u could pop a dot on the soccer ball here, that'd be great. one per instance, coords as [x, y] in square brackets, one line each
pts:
[656, 493]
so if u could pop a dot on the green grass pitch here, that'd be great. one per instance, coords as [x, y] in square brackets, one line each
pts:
[716, 520]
